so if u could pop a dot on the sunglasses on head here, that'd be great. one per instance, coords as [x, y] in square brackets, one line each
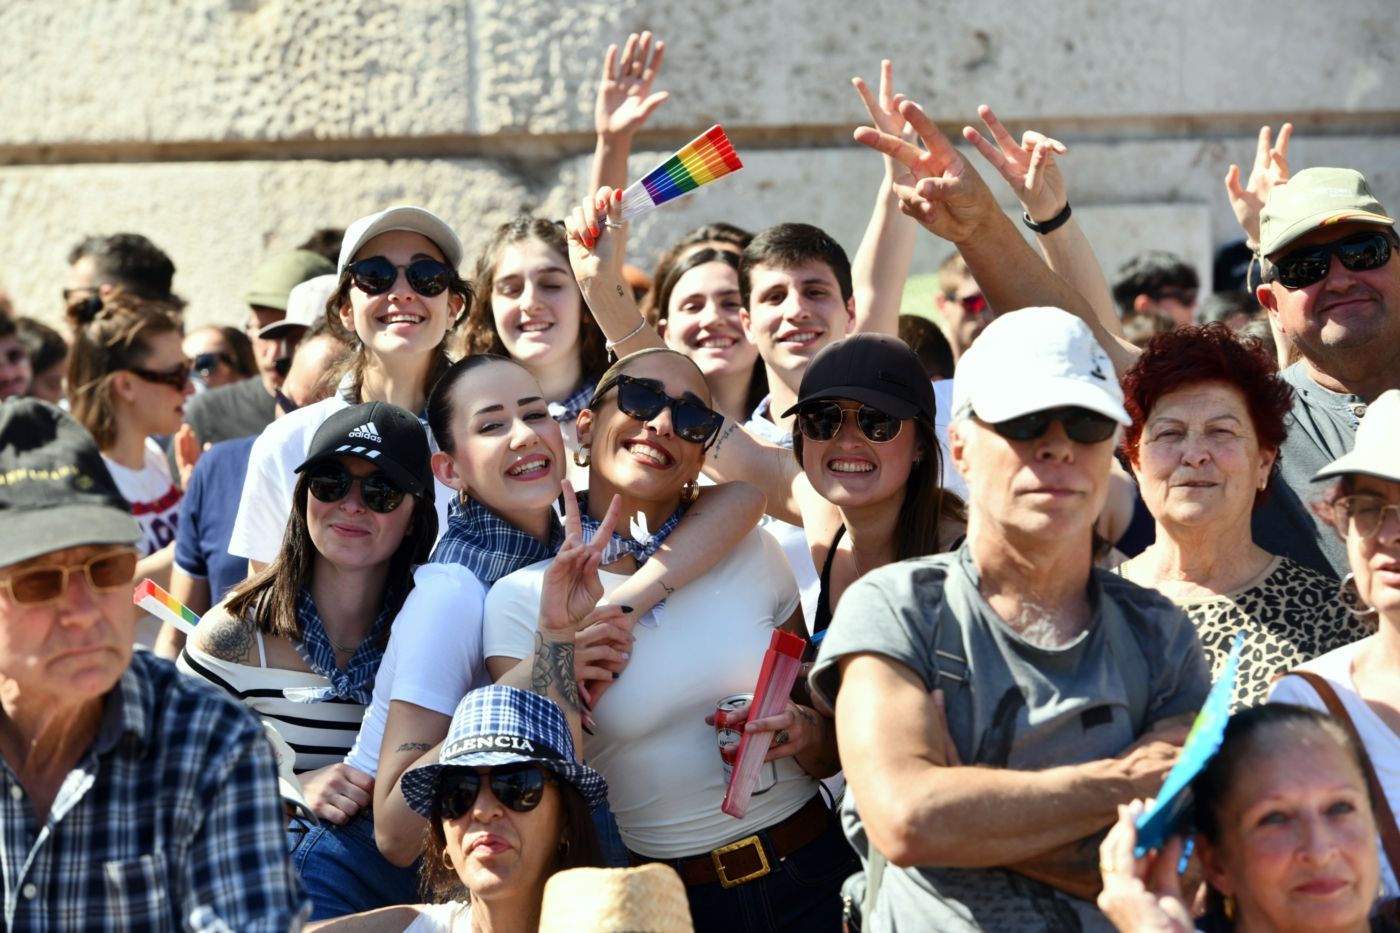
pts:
[177, 379]
[331, 482]
[1082, 425]
[644, 399]
[518, 787]
[39, 586]
[821, 421]
[1304, 267]
[376, 275]
[205, 363]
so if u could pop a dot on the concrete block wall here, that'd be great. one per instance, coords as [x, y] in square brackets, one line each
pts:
[228, 129]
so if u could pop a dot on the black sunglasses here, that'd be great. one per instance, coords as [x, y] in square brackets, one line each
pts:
[643, 399]
[1310, 264]
[821, 421]
[205, 363]
[376, 275]
[331, 483]
[518, 787]
[1082, 425]
[177, 379]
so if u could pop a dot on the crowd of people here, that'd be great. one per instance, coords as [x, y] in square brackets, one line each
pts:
[486, 564]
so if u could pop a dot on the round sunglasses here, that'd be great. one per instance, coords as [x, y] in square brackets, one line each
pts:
[644, 399]
[1082, 425]
[1310, 264]
[518, 787]
[821, 421]
[331, 483]
[40, 586]
[376, 275]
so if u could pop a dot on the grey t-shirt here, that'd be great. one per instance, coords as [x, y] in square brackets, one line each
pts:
[1020, 706]
[1321, 427]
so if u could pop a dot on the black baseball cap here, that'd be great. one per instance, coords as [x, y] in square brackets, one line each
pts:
[55, 490]
[385, 435]
[876, 369]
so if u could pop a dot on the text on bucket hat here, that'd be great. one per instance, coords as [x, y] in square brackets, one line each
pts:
[876, 369]
[1034, 360]
[1313, 198]
[500, 725]
[413, 219]
[383, 434]
[55, 490]
[275, 277]
[1377, 449]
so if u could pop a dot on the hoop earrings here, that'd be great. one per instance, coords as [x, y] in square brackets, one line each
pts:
[582, 456]
[690, 492]
[1350, 597]
[447, 860]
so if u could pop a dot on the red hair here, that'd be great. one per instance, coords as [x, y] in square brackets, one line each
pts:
[1210, 353]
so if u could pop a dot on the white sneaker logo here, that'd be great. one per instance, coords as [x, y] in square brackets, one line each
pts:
[367, 432]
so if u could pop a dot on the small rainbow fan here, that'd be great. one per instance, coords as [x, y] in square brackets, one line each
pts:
[704, 159]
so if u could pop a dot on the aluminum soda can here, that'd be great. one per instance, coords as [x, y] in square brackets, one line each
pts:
[730, 715]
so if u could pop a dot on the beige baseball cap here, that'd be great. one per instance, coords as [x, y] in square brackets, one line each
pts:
[1313, 198]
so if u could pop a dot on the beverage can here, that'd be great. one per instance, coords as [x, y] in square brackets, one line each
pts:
[730, 715]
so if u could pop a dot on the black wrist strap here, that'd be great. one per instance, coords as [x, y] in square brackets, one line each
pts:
[1047, 226]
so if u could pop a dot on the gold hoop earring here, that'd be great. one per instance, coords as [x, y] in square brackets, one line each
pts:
[582, 456]
[1229, 907]
[1350, 597]
[447, 860]
[690, 492]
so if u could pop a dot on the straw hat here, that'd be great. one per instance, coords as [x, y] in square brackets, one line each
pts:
[646, 899]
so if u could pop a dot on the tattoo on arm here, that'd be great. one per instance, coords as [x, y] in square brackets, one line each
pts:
[669, 589]
[554, 661]
[620, 290]
[540, 674]
[414, 747]
[719, 441]
[230, 640]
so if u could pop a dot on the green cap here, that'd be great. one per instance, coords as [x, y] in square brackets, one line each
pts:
[1313, 198]
[276, 277]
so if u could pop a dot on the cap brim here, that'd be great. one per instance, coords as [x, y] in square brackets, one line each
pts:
[1322, 219]
[279, 329]
[1046, 394]
[32, 533]
[406, 480]
[1358, 463]
[414, 220]
[889, 404]
[419, 784]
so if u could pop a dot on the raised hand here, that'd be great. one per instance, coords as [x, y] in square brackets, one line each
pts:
[1270, 169]
[187, 453]
[593, 253]
[1141, 894]
[884, 111]
[1028, 166]
[938, 187]
[571, 586]
[624, 98]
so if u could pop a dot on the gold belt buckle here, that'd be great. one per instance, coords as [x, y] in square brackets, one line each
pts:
[717, 857]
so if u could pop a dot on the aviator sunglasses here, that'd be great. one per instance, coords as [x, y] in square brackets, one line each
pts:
[643, 399]
[821, 421]
[331, 483]
[1363, 512]
[1082, 425]
[39, 586]
[376, 275]
[1308, 265]
[518, 787]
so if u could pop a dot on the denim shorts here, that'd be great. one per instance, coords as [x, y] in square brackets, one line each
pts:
[343, 870]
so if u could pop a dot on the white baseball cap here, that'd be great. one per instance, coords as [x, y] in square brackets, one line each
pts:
[1377, 449]
[1033, 360]
[412, 219]
[306, 303]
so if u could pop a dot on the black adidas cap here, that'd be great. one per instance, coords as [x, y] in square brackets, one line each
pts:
[55, 490]
[385, 435]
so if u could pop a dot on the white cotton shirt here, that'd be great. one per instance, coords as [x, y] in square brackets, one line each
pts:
[434, 654]
[650, 741]
[1381, 743]
[154, 497]
[267, 490]
[441, 918]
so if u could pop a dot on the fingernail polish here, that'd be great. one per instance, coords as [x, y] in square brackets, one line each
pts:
[617, 196]
[614, 675]
[594, 231]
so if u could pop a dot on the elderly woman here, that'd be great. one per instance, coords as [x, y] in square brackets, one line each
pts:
[1208, 418]
[1360, 683]
[1065, 687]
[1284, 833]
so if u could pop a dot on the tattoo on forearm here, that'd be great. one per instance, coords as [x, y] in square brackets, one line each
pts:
[231, 640]
[719, 441]
[620, 291]
[669, 589]
[540, 674]
[414, 747]
[553, 664]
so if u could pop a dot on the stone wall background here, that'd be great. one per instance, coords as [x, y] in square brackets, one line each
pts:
[229, 129]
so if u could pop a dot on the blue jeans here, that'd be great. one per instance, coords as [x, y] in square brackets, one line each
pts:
[803, 892]
[343, 870]
[609, 839]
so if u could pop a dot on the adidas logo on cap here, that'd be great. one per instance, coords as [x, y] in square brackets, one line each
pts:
[367, 432]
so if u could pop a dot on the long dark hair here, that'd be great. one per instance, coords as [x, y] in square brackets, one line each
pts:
[268, 599]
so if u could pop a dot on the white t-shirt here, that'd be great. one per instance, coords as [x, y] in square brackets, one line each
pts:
[1382, 744]
[943, 397]
[267, 490]
[434, 654]
[650, 741]
[441, 918]
[154, 497]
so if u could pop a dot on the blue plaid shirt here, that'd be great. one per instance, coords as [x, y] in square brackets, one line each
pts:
[566, 412]
[488, 545]
[759, 426]
[171, 821]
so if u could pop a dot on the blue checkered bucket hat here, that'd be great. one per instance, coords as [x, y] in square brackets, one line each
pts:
[499, 725]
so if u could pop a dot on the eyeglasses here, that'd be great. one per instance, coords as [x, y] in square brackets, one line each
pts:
[518, 787]
[1310, 264]
[821, 421]
[643, 399]
[331, 483]
[205, 363]
[1082, 425]
[177, 379]
[1363, 513]
[40, 586]
[376, 275]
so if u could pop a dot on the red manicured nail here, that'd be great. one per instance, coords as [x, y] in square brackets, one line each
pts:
[617, 195]
[594, 231]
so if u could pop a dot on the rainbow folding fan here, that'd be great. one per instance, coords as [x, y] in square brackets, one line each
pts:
[706, 158]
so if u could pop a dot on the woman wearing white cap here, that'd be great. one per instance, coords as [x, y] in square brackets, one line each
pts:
[1360, 683]
[400, 295]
